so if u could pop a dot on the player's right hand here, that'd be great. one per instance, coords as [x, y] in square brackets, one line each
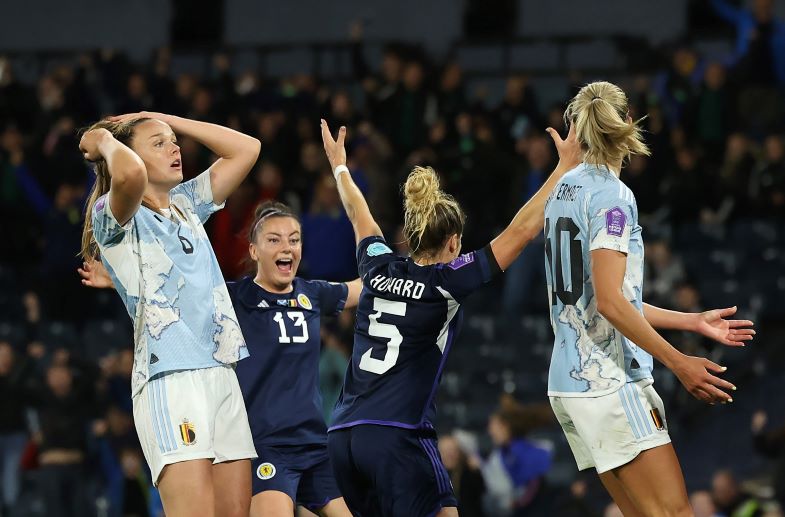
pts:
[91, 141]
[695, 374]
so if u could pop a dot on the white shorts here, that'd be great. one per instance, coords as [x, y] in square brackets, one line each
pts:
[611, 430]
[190, 415]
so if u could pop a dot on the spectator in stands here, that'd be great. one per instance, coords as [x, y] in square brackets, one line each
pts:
[524, 279]
[703, 504]
[767, 188]
[515, 471]
[760, 41]
[14, 393]
[465, 475]
[771, 444]
[65, 409]
[729, 498]
[326, 227]
[664, 272]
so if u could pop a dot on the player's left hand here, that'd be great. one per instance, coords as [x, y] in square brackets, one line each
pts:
[94, 274]
[336, 152]
[713, 325]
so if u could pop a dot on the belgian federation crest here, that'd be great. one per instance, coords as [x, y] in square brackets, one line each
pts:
[188, 433]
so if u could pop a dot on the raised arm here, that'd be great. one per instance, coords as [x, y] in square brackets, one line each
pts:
[528, 222]
[126, 170]
[711, 324]
[353, 200]
[608, 268]
[237, 152]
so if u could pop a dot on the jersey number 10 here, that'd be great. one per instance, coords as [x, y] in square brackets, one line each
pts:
[564, 224]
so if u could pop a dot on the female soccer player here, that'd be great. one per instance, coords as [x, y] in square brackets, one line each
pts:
[279, 315]
[382, 442]
[600, 381]
[148, 228]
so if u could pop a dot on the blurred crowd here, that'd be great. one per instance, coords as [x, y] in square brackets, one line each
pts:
[716, 128]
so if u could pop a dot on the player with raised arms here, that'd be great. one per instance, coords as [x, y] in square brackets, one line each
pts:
[147, 228]
[280, 316]
[600, 379]
[382, 442]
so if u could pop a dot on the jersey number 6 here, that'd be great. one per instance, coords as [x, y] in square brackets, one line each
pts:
[571, 297]
[386, 331]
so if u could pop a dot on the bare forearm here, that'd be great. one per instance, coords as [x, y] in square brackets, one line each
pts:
[223, 141]
[125, 166]
[632, 324]
[666, 319]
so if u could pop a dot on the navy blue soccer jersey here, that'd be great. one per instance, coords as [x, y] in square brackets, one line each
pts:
[407, 319]
[280, 382]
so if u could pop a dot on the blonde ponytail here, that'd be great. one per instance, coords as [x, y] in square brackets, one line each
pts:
[123, 132]
[430, 215]
[600, 114]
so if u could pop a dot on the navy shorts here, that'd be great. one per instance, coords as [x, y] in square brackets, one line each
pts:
[390, 472]
[301, 472]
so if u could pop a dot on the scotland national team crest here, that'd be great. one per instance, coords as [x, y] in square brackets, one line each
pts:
[188, 433]
[265, 471]
[304, 302]
[615, 221]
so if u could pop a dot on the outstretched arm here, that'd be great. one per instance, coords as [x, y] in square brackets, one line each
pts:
[528, 222]
[237, 152]
[353, 296]
[711, 324]
[353, 200]
[608, 268]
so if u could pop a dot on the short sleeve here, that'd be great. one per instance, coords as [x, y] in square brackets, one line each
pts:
[467, 273]
[612, 218]
[372, 252]
[199, 192]
[332, 297]
[107, 231]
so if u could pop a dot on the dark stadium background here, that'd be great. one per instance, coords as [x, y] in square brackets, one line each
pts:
[466, 86]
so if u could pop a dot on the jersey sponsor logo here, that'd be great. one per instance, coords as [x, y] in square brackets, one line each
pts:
[615, 221]
[188, 433]
[463, 260]
[399, 286]
[304, 302]
[378, 248]
[265, 471]
[153, 359]
[263, 304]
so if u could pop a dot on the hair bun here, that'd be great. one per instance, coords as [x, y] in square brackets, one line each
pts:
[422, 186]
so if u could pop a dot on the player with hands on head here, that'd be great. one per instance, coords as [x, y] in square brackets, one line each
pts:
[600, 378]
[280, 316]
[382, 442]
[147, 227]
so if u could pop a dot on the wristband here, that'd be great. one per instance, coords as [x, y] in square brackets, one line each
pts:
[340, 170]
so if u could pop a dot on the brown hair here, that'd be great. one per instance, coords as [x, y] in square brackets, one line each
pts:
[124, 133]
[600, 114]
[267, 210]
[431, 216]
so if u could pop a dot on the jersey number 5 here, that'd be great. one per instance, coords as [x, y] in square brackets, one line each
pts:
[386, 331]
[564, 224]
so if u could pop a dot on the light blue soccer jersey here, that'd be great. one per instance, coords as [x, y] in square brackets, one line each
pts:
[589, 209]
[168, 277]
